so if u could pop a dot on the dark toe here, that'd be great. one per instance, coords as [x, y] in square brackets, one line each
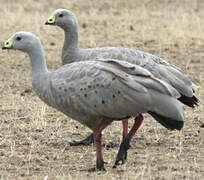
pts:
[122, 153]
[93, 169]
[85, 142]
[89, 170]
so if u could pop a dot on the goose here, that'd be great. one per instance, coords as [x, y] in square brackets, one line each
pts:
[71, 52]
[98, 92]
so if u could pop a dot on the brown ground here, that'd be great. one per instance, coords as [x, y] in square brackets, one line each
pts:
[34, 137]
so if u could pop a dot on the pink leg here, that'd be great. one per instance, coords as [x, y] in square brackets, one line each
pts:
[137, 124]
[99, 157]
[125, 128]
[125, 145]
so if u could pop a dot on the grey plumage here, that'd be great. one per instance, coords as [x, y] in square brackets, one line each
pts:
[157, 66]
[89, 89]
[95, 93]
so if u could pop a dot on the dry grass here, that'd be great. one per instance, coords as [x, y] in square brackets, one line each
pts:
[34, 138]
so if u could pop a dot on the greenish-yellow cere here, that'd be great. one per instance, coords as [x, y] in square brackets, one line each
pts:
[51, 19]
[8, 43]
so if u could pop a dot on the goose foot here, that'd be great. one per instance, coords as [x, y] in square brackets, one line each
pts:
[125, 145]
[122, 153]
[85, 142]
[99, 167]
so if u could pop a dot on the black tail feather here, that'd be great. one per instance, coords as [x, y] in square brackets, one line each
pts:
[167, 122]
[189, 101]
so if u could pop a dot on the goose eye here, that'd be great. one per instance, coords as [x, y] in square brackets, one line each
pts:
[61, 15]
[18, 38]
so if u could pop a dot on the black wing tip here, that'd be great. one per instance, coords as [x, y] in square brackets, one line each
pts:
[168, 123]
[189, 101]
